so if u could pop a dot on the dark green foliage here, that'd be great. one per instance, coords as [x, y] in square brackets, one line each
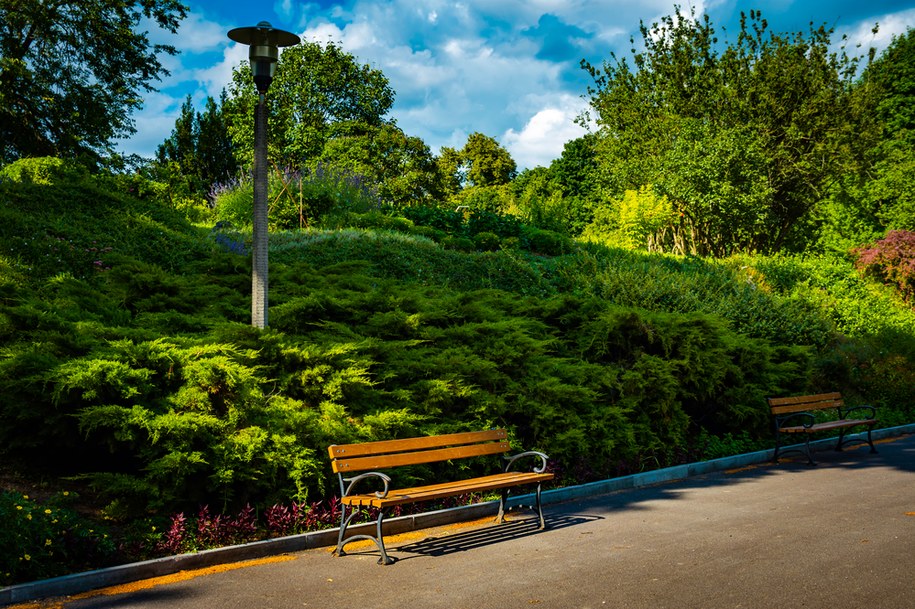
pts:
[744, 136]
[724, 288]
[199, 152]
[66, 225]
[72, 71]
[145, 380]
[547, 242]
[486, 241]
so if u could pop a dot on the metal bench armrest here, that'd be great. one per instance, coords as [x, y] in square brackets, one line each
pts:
[355, 480]
[531, 453]
[844, 412]
[808, 420]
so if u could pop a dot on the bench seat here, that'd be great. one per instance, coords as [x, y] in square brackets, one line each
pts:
[443, 490]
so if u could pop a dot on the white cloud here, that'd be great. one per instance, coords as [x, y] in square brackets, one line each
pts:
[544, 135]
[154, 124]
[218, 76]
[890, 25]
[508, 69]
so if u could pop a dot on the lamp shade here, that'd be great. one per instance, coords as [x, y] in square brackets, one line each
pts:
[264, 41]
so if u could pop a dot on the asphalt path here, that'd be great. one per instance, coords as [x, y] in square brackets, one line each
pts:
[838, 535]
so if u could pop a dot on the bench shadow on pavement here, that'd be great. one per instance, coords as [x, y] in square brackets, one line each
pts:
[463, 541]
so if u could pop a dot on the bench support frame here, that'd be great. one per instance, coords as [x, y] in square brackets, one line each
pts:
[795, 415]
[411, 451]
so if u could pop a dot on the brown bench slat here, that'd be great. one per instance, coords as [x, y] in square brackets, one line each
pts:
[805, 402]
[338, 451]
[447, 489]
[361, 464]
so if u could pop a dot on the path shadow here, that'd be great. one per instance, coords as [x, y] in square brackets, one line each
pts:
[165, 596]
[894, 453]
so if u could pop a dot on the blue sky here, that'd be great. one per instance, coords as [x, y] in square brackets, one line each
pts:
[505, 68]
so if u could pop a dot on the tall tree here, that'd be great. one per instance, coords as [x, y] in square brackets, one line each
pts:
[402, 166]
[72, 71]
[199, 150]
[479, 175]
[891, 192]
[316, 88]
[745, 138]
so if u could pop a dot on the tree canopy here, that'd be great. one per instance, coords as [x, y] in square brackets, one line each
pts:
[199, 150]
[744, 138]
[72, 71]
[319, 90]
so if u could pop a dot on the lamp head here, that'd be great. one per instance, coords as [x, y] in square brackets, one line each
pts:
[264, 42]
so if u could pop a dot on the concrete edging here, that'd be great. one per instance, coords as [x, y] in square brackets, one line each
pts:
[100, 578]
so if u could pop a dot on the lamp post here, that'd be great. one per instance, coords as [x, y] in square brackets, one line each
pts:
[264, 42]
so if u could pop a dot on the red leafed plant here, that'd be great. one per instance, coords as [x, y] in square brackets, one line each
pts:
[892, 260]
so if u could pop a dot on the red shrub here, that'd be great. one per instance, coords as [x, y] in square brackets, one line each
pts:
[892, 260]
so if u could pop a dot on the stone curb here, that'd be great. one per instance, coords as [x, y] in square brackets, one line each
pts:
[111, 576]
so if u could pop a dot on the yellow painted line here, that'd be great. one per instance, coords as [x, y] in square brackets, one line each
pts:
[737, 470]
[145, 584]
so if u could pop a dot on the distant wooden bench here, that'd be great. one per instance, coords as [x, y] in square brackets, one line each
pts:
[795, 415]
[370, 457]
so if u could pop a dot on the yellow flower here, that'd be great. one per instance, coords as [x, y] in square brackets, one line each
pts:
[66, 493]
[25, 496]
[29, 515]
[27, 557]
[47, 511]
[18, 507]
[47, 542]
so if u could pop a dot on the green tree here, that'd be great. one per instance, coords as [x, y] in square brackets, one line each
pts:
[317, 89]
[745, 139]
[574, 172]
[892, 191]
[487, 162]
[72, 71]
[402, 166]
[199, 151]
[479, 175]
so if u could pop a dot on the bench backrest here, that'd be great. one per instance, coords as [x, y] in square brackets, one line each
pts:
[412, 451]
[802, 403]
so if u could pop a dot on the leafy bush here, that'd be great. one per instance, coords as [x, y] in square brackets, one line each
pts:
[486, 241]
[547, 242]
[461, 244]
[298, 198]
[450, 222]
[44, 171]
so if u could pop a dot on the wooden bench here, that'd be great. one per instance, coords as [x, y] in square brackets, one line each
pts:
[795, 415]
[370, 457]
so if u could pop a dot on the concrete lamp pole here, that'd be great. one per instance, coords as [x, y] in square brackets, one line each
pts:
[264, 42]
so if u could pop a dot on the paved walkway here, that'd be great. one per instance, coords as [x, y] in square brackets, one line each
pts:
[839, 535]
